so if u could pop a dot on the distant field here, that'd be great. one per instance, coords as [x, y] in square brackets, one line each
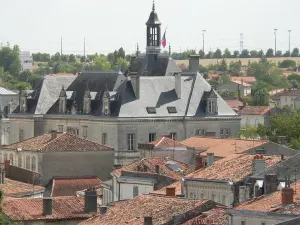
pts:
[206, 62]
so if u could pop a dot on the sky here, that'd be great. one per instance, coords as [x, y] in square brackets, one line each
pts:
[37, 25]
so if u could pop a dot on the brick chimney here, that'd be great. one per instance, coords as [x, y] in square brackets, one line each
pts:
[171, 191]
[53, 134]
[90, 201]
[194, 63]
[287, 196]
[148, 220]
[210, 158]
[199, 162]
[47, 206]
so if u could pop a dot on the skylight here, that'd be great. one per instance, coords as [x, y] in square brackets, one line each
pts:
[172, 109]
[151, 110]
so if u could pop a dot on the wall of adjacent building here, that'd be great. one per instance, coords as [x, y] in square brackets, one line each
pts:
[252, 120]
[46, 222]
[256, 219]
[287, 101]
[16, 125]
[93, 163]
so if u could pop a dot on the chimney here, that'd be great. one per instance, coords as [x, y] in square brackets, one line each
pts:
[53, 134]
[90, 201]
[259, 164]
[287, 195]
[243, 194]
[210, 158]
[47, 206]
[199, 162]
[103, 210]
[157, 169]
[171, 191]
[270, 183]
[2, 175]
[194, 63]
[135, 82]
[148, 220]
[178, 84]
[132, 59]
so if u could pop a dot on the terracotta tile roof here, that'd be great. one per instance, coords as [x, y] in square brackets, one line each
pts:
[165, 142]
[255, 110]
[63, 208]
[287, 73]
[222, 147]
[176, 185]
[64, 142]
[213, 76]
[69, 186]
[243, 83]
[216, 216]
[245, 79]
[272, 203]
[233, 168]
[236, 104]
[148, 165]
[161, 209]
[15, 188]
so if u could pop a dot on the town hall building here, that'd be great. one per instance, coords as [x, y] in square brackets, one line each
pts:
[153, 98]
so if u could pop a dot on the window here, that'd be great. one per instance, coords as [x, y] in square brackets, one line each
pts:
[84, 131]
[74, 131]
[200, 132]
[221, 132]
[192, 195]
[33, 163]
[135, 191]
[263, 223]
[61, 105]
[202, 196]
[21, 135]
[223, 199]
[151, 110]
[224, 132]
[210, 107]
[5, 157]
[20, 161]
[172, 109]
[130, 141]
[60, 128]
[243, 222]
[28, 162]
[213, 197]
[11, 158]
[152, 137]
[104, 138]
[173, 136]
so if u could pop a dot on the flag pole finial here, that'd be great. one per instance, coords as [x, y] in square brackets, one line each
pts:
[153, 6]
[169, 49]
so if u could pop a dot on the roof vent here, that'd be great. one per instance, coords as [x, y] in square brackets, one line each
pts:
[172, 109]
[151, 110]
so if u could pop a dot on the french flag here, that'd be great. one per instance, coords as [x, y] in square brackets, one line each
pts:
[164, 40]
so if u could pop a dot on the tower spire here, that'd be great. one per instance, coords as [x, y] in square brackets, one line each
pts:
[153, 6]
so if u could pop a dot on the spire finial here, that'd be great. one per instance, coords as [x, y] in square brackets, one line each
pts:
[63, 87]
[153, 6]
[137, 49]
[169, 49]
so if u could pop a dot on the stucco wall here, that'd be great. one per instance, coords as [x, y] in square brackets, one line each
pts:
[127, 190]
[252, 120]
[255, 220]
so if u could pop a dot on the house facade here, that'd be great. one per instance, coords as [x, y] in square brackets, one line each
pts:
[154, 97]
[254, 115]
[287, 98]
[26, 60]
[240, 87]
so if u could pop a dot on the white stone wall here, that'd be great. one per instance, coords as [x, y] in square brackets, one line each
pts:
[252, 120]
[255, 220]
[287, 101]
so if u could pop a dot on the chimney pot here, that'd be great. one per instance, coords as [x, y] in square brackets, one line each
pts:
[210, 158]
[171, 191]
[148, 220]
[287, 196]
[47, 206]
[53, 134]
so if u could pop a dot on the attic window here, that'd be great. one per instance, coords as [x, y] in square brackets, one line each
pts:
[151, 110]
[172, 109]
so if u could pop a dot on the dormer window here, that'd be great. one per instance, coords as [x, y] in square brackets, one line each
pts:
[210, 106]
[62, 100]
[106, 102]
[23, 101]
[212, 103]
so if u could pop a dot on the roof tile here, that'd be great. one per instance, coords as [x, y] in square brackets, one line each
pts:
[255, 110]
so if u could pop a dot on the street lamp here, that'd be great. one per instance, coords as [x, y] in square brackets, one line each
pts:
[275, 31]
[290, 41]
[203, 32]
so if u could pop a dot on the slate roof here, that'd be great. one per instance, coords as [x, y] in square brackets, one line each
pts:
[64, 142]
[14, 188]
[233, 168]
[148, 165]
[65, 186]
[161, 209]
[4, 91]
[29, 209]
[221, 147]
[255, 110]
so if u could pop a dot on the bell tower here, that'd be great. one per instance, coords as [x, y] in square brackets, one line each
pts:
[153, 32]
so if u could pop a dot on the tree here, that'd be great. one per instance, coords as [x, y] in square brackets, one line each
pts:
[209, 55]
[295, 52]
[260, 94]
[24, 75]
[260, 54]
[227, 53]
[286, 54]
[236, 54]
[248, 132]
[223, 65]
[56, 57]
[217, 54]
[101, 63]
[254, 54]
[121, 64]
[278, 53]
[10, 61]
[72, 58]
[202, 54]
[270, 53]
[245, 54]
[121, 53]
[224, 79]
[287, 63]
[235, 68]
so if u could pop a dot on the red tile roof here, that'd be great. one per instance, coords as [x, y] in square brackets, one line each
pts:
[272, 203]
[255, 110]
[287, 73]
[235, 104]
[241, 83]
[18, 189]
[165, 142]
[245, 79]
[69, 186]
[216, 216]
[222, 147]
[213, 76]
[63, 208]
[176, 185]
[159, 207]
[64, 142]
[148, 165]
[232, 168]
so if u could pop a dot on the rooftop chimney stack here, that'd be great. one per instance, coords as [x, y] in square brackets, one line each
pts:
[90, 201]
[47, 206]
[53, 134]
[135, 82]
[148, 220]
[270, 183]
[194, 63]
[199, 162]
[2, 175]
[178, 84]
[171, 191]
[210, 158]
[287, 196]
[259, 164]
[103, 210]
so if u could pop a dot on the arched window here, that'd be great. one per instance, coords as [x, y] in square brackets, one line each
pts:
[28, 162]
[5, 156]
[33, 163]
[20, 161]
[11, 158]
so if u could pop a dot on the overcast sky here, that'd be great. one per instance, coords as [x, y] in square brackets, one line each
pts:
[37, 25]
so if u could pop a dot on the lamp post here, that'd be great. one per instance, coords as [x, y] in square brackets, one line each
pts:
[275, 31]
[290, 41]
[203, 32]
